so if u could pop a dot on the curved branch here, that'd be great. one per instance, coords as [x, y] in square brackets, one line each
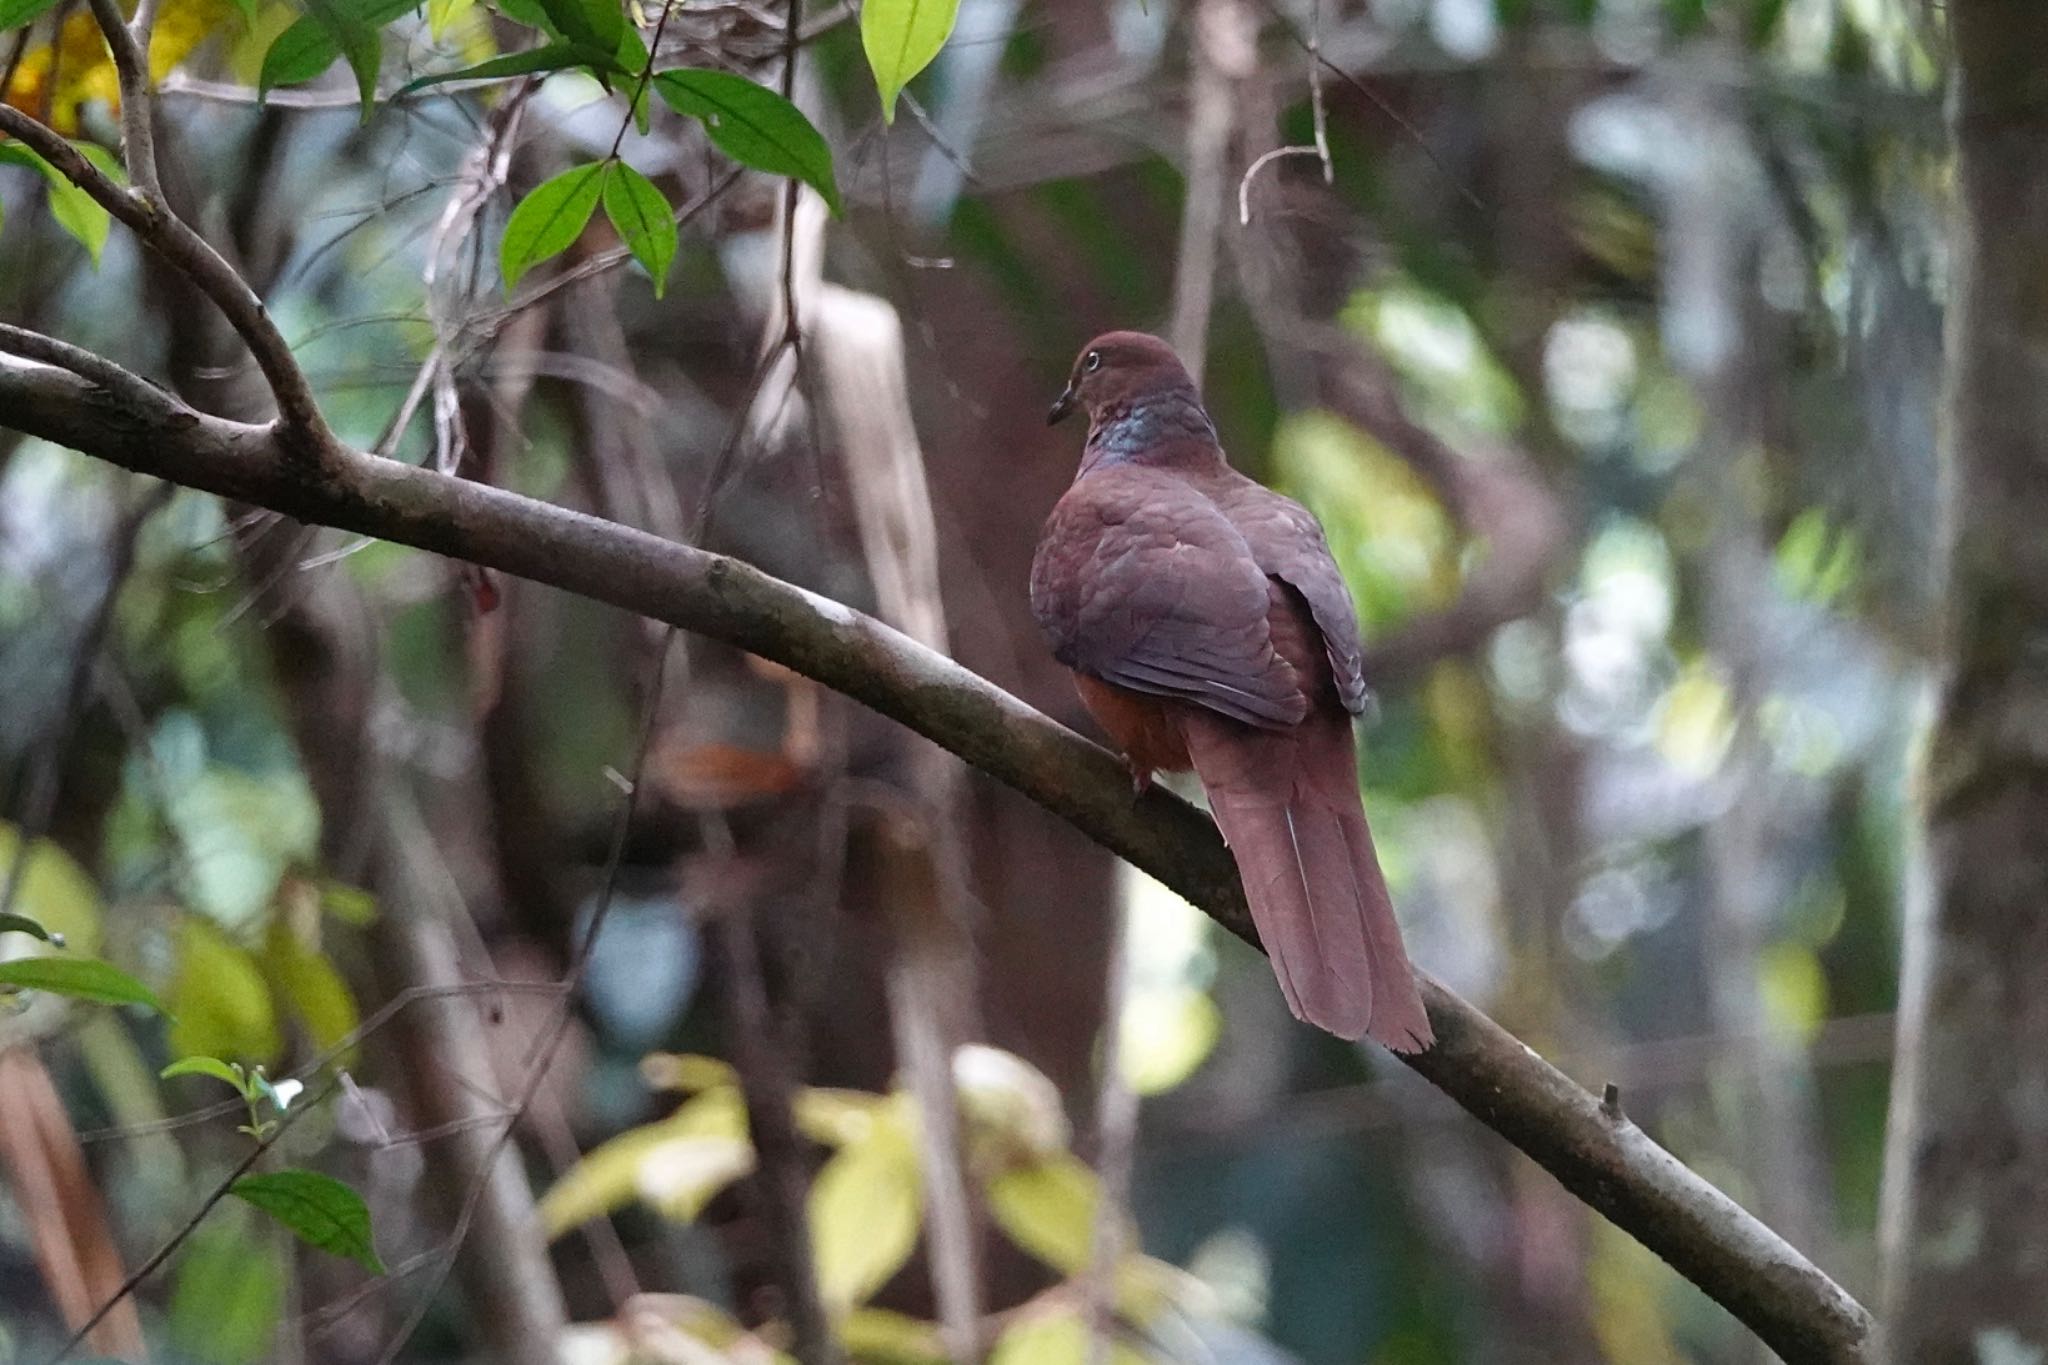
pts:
[1599, 1155]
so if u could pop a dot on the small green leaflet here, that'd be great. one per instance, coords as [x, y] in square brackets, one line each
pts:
[319, 1210]
[202, 1066]
[645, 222]
[549, 57]
[753, 125]
[549, 219]
[22, 924]
[77, 212]
[310, 46]
[593, 23]
[15, 13]
[83, 977]
[901, 37]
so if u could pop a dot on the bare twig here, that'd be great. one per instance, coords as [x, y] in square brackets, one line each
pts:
[543, 1050]
[51, 351]
[1116, 1137]
[33, 821]
[1617, 1169]
[191, 1224]
[129, 43]
[384, 1014]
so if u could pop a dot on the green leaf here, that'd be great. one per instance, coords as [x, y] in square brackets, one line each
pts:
[593, 23]
[865, 1209]
[77, 212]
[356, 37]
[527, 12]
[901, 37]
[15, 13]
[104, 161]
[22, 924]
[203, 1066]
[308, 986]
[645, 222]
[549, 219]
[299, 53]
[753, 125]
[319, 1210]
[84, 978]
[551, 57]
[220, 998]
[227, 1298]
[310, 46]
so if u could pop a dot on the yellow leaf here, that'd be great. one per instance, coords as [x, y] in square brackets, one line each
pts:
[219, 999]
[1048, 1208]
[880, 1337]
[609, 1176]
[442, 13]
[309, 987]
[837, 1117]
[680, 1176]
[865, 1207]
[55, 892]
[688, 1072]
[1056, 1336]
[1166, 1034]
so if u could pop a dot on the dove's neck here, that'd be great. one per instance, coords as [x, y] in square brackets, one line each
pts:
[1155, 428]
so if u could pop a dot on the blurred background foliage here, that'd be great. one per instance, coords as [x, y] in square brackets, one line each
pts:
[1608, 357]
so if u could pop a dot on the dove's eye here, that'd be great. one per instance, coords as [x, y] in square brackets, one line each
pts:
[1092, 361]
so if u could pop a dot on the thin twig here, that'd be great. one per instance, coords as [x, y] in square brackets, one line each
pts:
[542, 1053]
[1313, 47]
[13, 63]
[50, 351]
[1244, 183]
[1116, 1138]
[377, 1020]
[33, 822]
[191, 1225]
[129, 44]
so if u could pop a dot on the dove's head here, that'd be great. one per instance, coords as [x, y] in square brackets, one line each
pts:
[1119, 369]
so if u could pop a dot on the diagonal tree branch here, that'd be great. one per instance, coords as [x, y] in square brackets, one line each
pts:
[1598, 1154]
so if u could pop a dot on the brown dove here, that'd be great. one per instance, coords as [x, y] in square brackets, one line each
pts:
[1208, 628]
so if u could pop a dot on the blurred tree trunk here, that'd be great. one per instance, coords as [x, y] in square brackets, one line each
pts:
[1966, 1198]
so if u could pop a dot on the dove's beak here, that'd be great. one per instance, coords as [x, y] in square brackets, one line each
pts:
[1064, 404]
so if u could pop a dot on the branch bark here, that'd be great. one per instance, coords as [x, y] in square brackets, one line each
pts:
[1604, 1159]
